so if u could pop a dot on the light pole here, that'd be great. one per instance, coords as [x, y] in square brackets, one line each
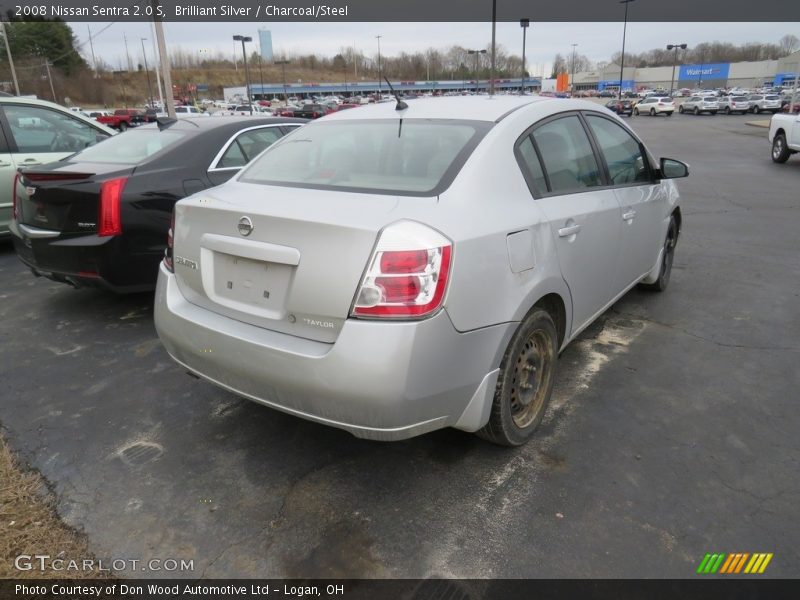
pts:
[124, 92]
[674, 62]
[622, 58]
[243, 39]
[524, 23]
[700, 70]
[10, 59]
[572, 77]
[380, 77]
[283, 64]
[494, 27]
[147, 74]
[477, 79]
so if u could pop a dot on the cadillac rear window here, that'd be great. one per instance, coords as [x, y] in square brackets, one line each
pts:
[130, 148]
[415, 157]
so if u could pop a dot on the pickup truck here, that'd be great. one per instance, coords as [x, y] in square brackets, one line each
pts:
[784, 135]
[312, 111]
[123, 118]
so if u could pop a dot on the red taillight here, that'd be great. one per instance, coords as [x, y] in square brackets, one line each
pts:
[14, 197]
[405, 283]
[109, 220]
[170, 244]
[411, 261]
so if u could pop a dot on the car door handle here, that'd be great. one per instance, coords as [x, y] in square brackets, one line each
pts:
[31, 161]
[568, 231]
[628, 216]
[5, 164]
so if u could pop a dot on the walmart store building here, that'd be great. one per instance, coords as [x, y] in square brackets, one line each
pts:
[780, 72]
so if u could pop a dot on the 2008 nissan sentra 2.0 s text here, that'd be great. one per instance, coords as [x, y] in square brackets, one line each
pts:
[392, 270]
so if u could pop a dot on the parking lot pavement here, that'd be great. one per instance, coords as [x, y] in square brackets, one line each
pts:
[672, 432]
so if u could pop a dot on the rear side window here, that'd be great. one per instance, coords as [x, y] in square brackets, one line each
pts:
[531, 160]
[416, 157]
[567, 154]
[247, 146]
[622, 152]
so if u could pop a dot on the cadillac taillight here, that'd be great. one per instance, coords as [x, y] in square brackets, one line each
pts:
[109, 218]
[407, 274]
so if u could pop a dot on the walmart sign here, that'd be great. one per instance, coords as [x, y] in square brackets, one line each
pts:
[704, 72]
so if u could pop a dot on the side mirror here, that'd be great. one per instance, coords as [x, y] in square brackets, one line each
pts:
[673, 169]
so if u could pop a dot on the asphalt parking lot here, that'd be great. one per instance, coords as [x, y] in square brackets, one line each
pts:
[673, 429]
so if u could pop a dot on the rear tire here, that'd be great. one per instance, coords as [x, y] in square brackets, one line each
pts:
[123, 126]
[727, 110]
[636, 111]
[652, 112]
[780, 149]
[666, 260]
[696, 111]
[756, 110]
[525, 383]
[680, 109]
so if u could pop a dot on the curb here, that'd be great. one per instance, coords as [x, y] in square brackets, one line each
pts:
[764, 124]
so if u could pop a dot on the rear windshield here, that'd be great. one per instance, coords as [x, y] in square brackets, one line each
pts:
[415, 157]
[132, 147]
[709, 99]
[773, 98]
[739, 98]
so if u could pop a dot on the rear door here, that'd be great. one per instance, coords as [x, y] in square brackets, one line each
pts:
[7, 171]
[641, 199]
[583, 213]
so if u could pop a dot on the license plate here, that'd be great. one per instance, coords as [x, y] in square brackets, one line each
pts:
[254, 282]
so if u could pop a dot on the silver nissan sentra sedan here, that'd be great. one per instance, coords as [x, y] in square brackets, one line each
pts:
[393, 269]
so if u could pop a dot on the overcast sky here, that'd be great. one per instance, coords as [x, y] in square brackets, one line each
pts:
[596, 40]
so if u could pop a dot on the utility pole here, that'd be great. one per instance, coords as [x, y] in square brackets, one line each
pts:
[91, 45]
[572, 77]
[378, 37]
[147, 74]
[50, 79]
[10, 59]
[524, 23]
[477, 77]
[494, 27]
[622, 57]
[128, 54]
[283, 64]
[355, 63]
[674, 63]
[156, 53]
[243, 39]
[165, 66]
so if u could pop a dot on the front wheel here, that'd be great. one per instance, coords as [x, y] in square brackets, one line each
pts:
[756, 110]
[525, 383]
[666, 260]
[780, 149]
[652, 112]
[696, 111]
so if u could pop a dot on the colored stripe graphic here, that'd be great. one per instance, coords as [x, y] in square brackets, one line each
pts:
[703, 563]
[741, 562]
[765, 563]
[734, 563]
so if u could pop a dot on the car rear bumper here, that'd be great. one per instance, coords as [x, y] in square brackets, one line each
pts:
[87, 260]
[379, 380]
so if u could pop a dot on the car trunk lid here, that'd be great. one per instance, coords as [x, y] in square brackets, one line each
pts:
[282, 258]
[65, 197]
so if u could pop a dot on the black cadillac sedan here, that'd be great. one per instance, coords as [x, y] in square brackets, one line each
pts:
[100, 217]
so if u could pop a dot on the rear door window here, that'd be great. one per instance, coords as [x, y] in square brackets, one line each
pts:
[247, 145]
[37, 129]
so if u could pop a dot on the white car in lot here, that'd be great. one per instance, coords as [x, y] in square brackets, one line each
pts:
[765, 103]
[734, 104]
[183, 112]
[655, 105]
[784, 135]
[700, 104]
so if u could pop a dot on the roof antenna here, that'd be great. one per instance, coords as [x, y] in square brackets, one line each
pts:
[400, 104]
[165, 122]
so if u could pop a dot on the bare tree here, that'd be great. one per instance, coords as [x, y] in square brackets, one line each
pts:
[788, 43]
